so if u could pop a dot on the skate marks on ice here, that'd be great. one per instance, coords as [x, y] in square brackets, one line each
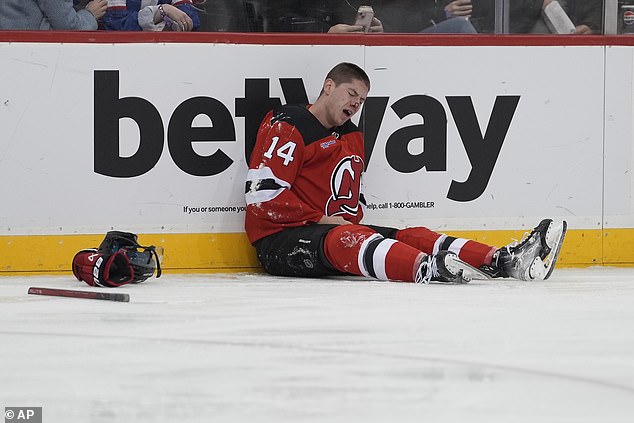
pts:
[260, 348]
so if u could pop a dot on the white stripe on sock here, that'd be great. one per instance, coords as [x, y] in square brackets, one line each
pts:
[457, 245]
[364, 247]
[438, 243]
[379, 258]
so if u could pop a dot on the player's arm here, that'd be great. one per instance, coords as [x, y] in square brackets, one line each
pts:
[276, 161]
[333, 220]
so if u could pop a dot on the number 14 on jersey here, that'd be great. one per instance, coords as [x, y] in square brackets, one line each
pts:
[285, 152]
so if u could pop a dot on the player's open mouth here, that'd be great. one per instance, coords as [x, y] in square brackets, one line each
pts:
[347, 112]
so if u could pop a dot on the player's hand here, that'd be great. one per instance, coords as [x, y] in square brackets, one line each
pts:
[459, 8]
[333, 220]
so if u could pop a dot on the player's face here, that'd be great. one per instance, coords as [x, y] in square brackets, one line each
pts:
[345, 100]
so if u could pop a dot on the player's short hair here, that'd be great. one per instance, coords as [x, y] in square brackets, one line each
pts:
[347, 72]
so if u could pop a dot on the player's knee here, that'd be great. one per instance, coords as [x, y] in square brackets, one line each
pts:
[348, 236]
[346, 246]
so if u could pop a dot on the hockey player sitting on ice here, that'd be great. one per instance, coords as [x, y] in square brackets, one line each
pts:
[304, 217]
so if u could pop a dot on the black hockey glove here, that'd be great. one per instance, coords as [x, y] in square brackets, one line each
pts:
[118, 260]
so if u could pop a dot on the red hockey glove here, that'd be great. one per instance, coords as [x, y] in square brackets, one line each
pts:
[98, 269]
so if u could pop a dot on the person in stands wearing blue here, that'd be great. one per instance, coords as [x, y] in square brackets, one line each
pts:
[50, 14]
[151, 15]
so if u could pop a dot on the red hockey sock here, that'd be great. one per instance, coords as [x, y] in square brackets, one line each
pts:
[359, 250]
[430, 242]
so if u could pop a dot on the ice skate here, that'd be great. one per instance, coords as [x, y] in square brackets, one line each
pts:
[534, 257]
[446, 267]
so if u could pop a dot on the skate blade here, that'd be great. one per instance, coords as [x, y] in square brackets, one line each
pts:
[465, 271]
[536, 271]
[554, 239]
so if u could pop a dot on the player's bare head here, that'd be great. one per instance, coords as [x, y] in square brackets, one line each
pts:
[344, 91]
[348, 72]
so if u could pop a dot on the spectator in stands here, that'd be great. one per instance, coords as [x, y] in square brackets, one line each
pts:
[152, 15]
[526, 15]
[427, 16]
[586, 15]
[50, 14]
[430, 16]
[316, 16]
[523, 15]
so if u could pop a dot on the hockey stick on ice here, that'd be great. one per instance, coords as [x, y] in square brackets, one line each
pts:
[92, 295]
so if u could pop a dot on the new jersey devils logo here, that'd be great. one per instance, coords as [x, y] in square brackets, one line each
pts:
[345, 184]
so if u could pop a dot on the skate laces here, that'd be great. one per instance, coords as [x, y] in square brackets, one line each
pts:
[516, 244]
[431, 270]
[518, 257]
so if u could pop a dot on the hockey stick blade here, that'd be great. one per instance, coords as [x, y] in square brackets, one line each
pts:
[91, 295]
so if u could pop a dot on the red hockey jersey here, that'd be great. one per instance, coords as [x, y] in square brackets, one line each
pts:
[300, 171]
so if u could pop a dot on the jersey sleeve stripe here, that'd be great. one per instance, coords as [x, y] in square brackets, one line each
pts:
[255, 197]
[262, 185]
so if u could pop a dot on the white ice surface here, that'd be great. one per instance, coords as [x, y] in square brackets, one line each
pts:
[256, 348]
